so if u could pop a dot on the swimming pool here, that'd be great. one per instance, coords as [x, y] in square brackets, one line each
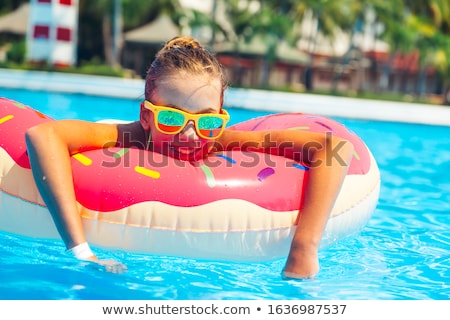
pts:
[403, 253]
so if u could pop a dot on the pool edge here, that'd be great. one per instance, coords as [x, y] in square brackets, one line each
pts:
[253, 99]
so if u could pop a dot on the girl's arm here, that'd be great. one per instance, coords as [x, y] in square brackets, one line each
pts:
[49, 147]
[328, 158]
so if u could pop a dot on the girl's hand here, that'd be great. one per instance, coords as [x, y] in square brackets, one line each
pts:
[302, 263]
[107, 265]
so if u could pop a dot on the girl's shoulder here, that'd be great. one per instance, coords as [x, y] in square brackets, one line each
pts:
[131, 135]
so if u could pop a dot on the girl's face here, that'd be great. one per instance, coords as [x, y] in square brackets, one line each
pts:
[192, 94]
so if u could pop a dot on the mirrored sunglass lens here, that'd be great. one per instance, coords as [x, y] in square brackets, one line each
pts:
[211, 133]
[170, 121]
[210, 122]
[210, 126]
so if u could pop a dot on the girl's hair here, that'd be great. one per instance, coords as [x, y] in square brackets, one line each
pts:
[186, 55]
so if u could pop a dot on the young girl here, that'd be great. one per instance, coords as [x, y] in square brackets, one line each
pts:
[185, 82]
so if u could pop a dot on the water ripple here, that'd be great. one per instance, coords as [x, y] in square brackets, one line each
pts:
[403, 253]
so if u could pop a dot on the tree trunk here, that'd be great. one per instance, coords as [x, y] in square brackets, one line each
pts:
[309, 71]
[268, 60]
[446, 98]
[422, 82]
[107, 40]
[117, 34]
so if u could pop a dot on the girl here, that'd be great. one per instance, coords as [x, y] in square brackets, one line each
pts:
[185, 84]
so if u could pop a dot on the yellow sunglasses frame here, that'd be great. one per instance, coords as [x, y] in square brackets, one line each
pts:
[187, 117]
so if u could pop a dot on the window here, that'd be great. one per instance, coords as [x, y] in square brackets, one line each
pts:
[63, 34]
[41, 32]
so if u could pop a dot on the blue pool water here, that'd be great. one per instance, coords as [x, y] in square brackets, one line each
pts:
[403, 253]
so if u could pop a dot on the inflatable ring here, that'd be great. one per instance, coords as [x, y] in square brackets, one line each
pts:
[239, 206]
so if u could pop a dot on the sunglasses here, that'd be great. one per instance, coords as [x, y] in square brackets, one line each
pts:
[172, 121]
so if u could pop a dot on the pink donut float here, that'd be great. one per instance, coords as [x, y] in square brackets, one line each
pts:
[236, 205]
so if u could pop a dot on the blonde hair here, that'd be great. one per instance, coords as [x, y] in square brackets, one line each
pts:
[183, 54]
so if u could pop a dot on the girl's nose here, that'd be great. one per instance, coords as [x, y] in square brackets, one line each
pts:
[189, 131]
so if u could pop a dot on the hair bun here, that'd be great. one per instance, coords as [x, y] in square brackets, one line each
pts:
[182, 42]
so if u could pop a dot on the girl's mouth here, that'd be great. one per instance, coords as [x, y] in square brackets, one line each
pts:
[183, 149]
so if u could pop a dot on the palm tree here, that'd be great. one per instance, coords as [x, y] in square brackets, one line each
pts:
[199, 21]
[273, 22]
[240, 16]
[328, 16]
[262, 22]
[103, 8]
[431, 21]
[110, 14]
[400, 38]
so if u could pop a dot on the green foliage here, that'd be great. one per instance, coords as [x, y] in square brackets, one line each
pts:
[96, 67]
[85, 68]
[16, 52]
[408, 25]
[7, 6]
